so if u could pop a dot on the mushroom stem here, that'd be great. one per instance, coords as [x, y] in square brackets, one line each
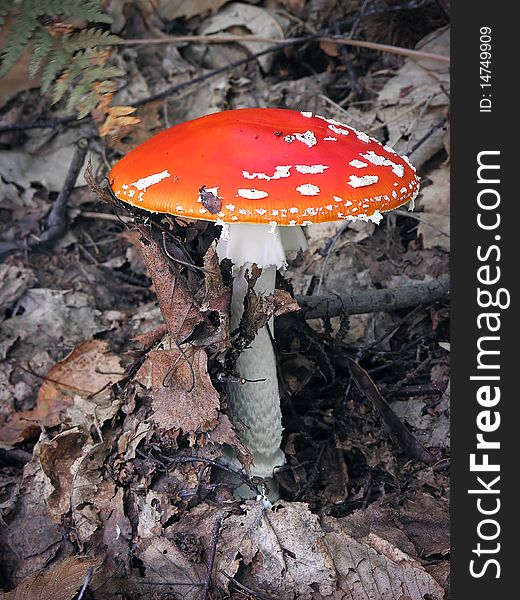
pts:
[255, 405]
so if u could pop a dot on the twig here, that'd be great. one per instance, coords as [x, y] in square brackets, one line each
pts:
[212, 554]
[319, 307]
[416, 217]
[105, 216]
[88, 577]
[428, 134]
[333, 39]
[205, 76]
[207, 461]
[409, 444]
[244, 588]
[56, 222]
[49, 124]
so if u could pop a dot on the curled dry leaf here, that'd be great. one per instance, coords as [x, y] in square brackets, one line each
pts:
[178, 307]
[56, 458]
[215, 297]
[61, 582]
[82, 379]
[118, 120]
[90, 492]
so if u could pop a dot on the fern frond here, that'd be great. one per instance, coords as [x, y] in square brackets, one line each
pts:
[89, 38]
[43, 43]
[5, 8]
[57, 62]
[73, 65]
[100, 73]
[87, 10]
[20, 33]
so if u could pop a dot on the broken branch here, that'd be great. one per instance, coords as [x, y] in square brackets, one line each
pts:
[320, 307]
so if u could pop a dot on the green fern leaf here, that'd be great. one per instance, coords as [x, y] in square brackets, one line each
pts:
[19, 35]
[87, 10]
[89, 38]
[43, 43]
[57, 62]
[5, 8]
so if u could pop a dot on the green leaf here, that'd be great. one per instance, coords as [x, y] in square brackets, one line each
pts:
[43, 43]
[89, 38]
[19, 35]
[5, 8]
[57, 62]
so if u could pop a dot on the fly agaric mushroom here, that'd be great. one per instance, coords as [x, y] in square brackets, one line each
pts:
[251, 170]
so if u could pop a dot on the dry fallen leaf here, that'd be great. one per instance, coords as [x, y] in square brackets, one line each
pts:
[14, 282]
[279, 551]
[167, 568]
[30, 539]
[434, 200]
[61, 582]
[56, 458]
[174, 9]
[183, 397]
[76, 380]
[255, 20]
[118, 121]
[416, 100]
[288, 553]
[178, 307]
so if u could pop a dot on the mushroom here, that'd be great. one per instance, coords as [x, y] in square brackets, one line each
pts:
[251, 171]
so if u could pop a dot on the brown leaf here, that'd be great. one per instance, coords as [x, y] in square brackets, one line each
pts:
[177, 304]
[127, 136]
[56, 458]
[90, 492]
[183, 396]
[259, 309]
[330, 48]
[215, 297]
[426, 521]
[14, 282]
[434, 201]
[225, 434]
[279, 551]
[118, 121]
[174, 9]
[167, 568]
[30, 538]
[371, 566]
[61, 582]
[87, 370]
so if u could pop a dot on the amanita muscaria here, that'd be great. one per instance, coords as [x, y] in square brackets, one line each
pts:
[253, 170]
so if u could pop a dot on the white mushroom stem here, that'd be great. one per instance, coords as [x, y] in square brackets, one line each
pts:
[255, 405]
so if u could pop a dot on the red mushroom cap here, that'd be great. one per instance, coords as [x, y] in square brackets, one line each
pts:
[264, 165]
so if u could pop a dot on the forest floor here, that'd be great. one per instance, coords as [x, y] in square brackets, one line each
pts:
[105, 490]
